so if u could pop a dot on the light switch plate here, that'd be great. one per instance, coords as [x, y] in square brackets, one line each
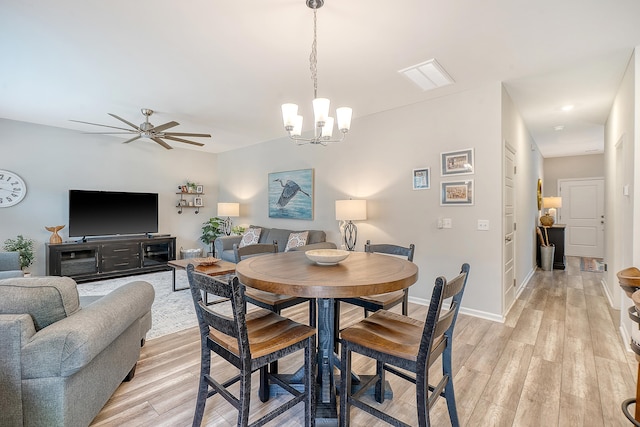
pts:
[483, 224]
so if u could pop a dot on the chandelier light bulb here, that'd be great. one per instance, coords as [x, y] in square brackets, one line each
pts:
[327, 129]
[343, 115]
[297, 126]
[289, 113]
[321, 110]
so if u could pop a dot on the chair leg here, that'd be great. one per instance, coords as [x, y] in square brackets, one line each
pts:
[380, 384]
[312, 312]
[263, 391]
[345, 386]
[309, 382]
[449, 393]
[336, 325]
[245, 397]
[203, 387]
[422, 399]
[405, 303]
[273, 367]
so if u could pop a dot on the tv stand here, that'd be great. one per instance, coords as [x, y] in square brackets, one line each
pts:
[106, 258]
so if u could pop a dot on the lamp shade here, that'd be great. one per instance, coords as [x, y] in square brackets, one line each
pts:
[351, 210]
[228, 209]
[552, 202]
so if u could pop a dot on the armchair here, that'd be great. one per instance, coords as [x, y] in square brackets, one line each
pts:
[59, 363]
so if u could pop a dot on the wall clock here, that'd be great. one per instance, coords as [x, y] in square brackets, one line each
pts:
[12, 189]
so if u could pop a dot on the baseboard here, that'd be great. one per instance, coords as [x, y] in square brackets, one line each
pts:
[467, 311]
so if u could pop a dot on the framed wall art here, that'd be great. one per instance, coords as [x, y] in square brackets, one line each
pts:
[421, 179]
[457, 162]
[197, 201]
[456, 193]
[291, 194]
[199, 189]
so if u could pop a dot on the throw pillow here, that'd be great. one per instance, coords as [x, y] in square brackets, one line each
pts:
[296, 239]
[250, 237]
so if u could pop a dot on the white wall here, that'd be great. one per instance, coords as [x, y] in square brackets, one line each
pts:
[623, 223]
[529, 170]
[570, 167]
[375, 163]
[53, 160]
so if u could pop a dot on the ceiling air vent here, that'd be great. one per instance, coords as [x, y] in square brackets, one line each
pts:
[428, 75]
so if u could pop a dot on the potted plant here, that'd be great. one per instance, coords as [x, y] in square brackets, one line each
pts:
[24, 247]
[211, 230]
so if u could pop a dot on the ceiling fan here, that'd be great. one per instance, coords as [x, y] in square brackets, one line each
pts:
[147, 130]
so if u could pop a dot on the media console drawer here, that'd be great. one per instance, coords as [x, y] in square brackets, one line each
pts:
[120, 250]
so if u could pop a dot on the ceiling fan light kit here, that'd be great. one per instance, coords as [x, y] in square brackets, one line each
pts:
[148, 130]
[323, 129]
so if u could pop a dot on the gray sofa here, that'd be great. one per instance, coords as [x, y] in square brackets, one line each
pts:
[10, 265]
[315, 240]
[60, 363]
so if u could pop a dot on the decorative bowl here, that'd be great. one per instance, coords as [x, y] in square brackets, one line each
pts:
[327, 256]
[206, 261]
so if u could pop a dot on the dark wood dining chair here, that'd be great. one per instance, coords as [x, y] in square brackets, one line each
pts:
[269, 300]
[249, 341]
[405, 347]
[373, 303]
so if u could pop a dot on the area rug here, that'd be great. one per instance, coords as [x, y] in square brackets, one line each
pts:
[170, 312]
[592, 264]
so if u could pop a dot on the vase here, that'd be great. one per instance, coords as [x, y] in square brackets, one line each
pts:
[546, 257]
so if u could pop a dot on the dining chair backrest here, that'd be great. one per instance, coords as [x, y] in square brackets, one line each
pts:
[255, 249]
[385, 248]
[437, 324]
[208, 318]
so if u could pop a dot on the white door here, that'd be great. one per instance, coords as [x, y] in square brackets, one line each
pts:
[583, 214]
[508, 225]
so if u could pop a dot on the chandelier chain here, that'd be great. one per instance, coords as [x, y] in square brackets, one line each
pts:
[313, 58]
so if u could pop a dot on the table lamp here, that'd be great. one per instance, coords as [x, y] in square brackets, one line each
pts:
[551, 203]
[348, 211]
[228, 210]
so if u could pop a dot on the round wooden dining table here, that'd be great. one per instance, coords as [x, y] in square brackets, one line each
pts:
[361, 273]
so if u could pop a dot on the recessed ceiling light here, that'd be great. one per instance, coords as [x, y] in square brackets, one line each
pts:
[428, 75]
[567, 108]
[559, 127]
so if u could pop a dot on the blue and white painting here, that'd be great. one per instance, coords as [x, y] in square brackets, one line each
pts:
[291, 194]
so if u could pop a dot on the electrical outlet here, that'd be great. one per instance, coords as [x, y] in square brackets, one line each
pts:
[483, 224]
[446, 223]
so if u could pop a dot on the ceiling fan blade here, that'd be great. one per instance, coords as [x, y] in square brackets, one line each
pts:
[161, 142]
[165, 126]
[200, 135]
[183, 140]
[124, 121]
[132, 139]
[105, 126]
[109, 133]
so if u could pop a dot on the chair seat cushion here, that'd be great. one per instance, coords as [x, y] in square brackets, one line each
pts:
[46, 299]
[388, 332]
[268, 332]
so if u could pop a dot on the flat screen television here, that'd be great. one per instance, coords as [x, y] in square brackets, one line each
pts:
[105, 213]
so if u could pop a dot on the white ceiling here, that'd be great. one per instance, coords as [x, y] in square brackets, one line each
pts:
[224, 67]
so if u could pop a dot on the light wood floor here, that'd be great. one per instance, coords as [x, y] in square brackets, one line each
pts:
[558, 360]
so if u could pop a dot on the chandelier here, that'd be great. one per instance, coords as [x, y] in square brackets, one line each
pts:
[323, 129]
